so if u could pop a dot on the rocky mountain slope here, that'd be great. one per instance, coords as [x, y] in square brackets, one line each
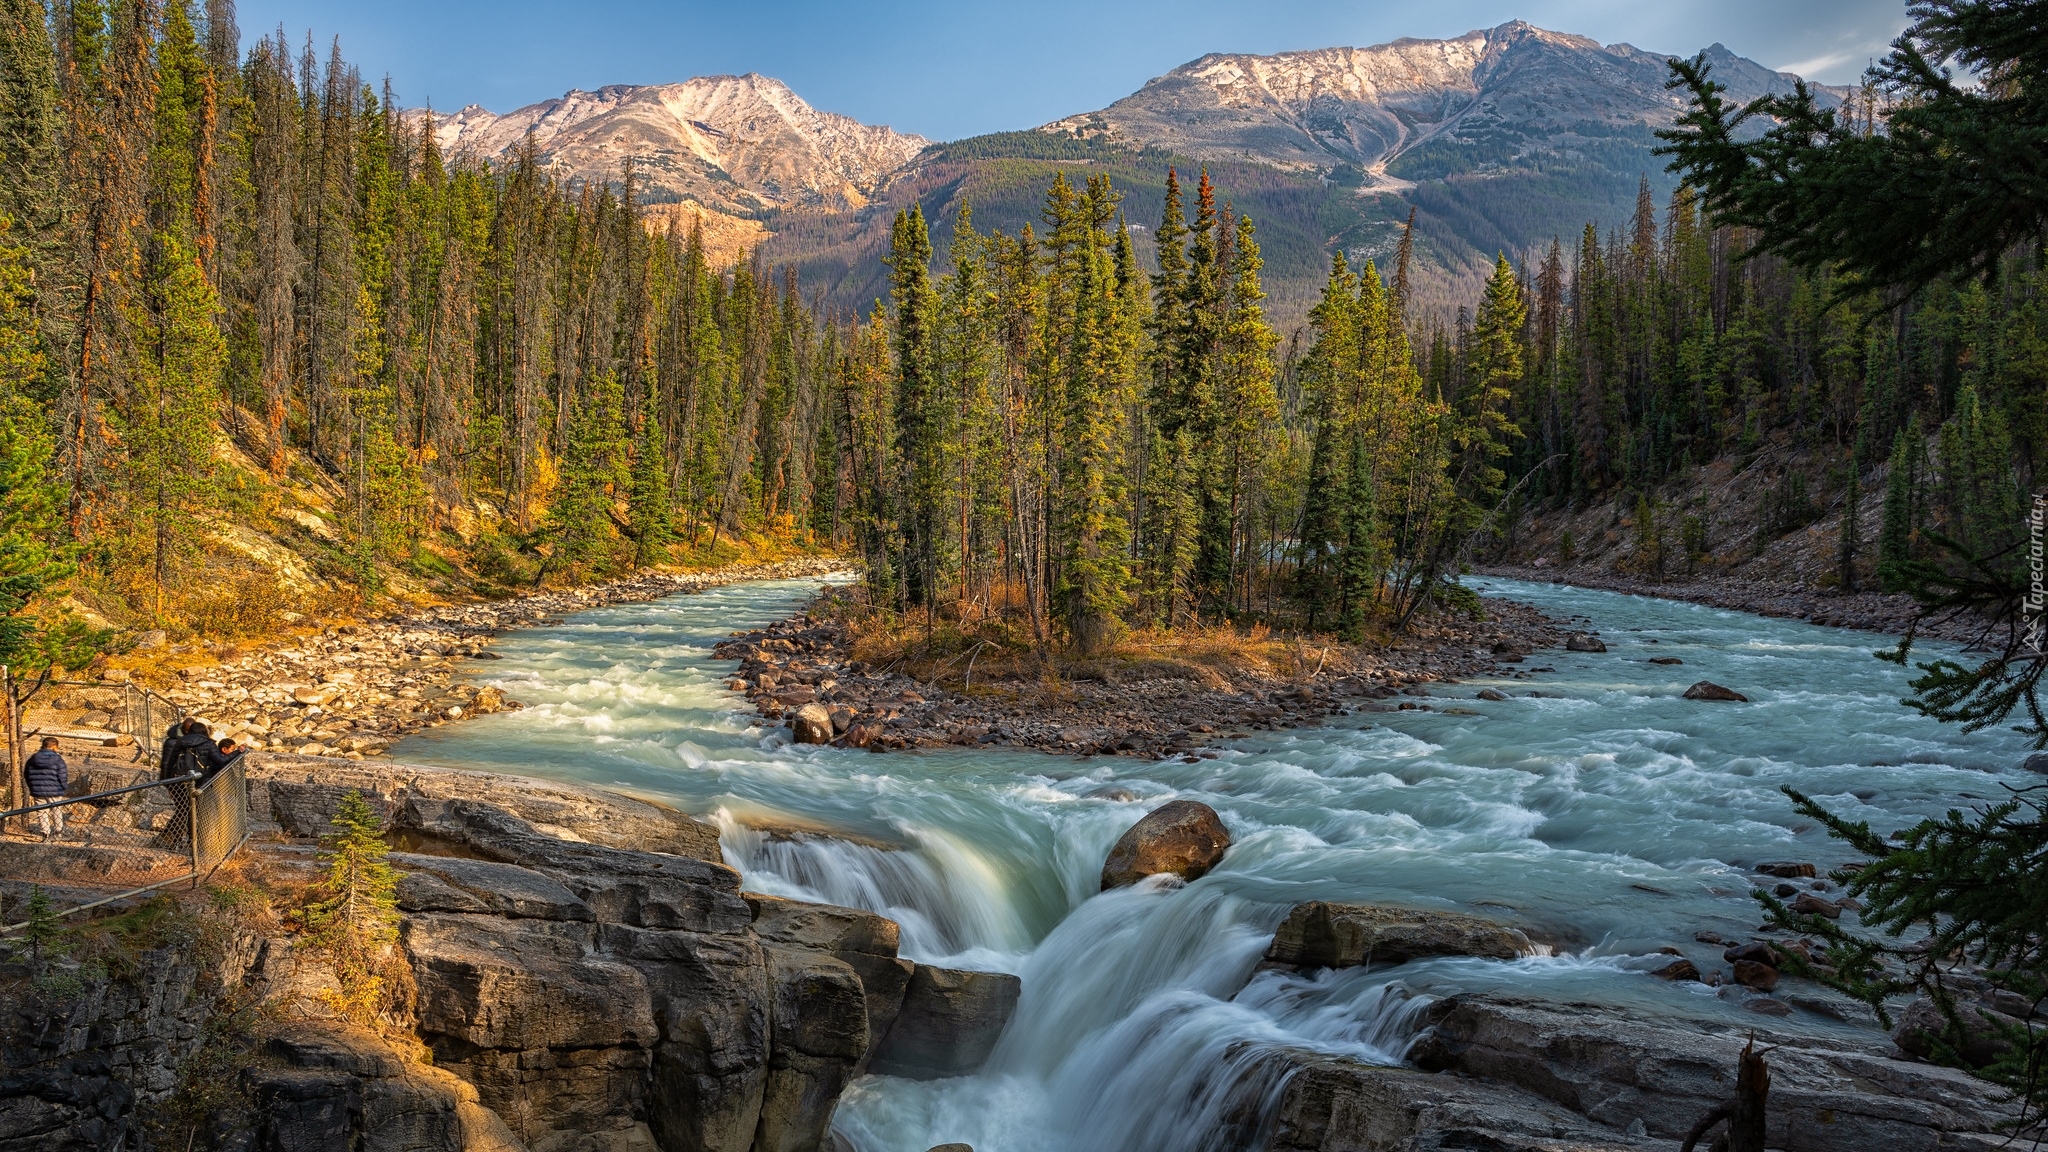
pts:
[1500, 139]
[1498, 98]
[743, 145]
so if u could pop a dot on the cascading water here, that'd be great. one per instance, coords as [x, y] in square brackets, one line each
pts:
[1607, 814]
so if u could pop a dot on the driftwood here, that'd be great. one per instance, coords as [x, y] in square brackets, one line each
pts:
[1743, 1115]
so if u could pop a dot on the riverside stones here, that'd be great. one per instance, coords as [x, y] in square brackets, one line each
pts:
[1183, 837]
[811, 724]
[1319, 934]
[1708, 690]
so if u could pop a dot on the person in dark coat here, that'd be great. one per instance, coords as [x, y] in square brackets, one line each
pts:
[185, 749]
[48, 777]
[185, 752]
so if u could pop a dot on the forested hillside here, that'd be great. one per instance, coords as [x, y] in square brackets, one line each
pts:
[267, 349]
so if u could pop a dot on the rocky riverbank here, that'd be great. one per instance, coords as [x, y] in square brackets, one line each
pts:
[588, 976]
[803, 670]
[351, 690]
[1862, 611]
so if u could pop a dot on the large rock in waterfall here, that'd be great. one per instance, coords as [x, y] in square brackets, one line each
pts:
[1183, 837]
[862, 940]
[949, 1023]
[1320, 934]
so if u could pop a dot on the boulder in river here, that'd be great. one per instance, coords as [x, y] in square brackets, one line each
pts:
[1808, 904]
[1319, 934]
[1786, 869]
[1584, 642]
[1751, 974]
[2038, 762]
[1708, 690]
[1665, 660]
[811, 724]
[1491, 694]
[1677, 968]
[1184, 837]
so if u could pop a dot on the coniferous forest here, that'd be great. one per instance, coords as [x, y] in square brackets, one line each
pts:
[229, 270]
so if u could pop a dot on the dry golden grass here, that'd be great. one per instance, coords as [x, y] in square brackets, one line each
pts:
[970, 650]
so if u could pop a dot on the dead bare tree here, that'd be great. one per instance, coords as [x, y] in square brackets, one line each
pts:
[1743, 1115]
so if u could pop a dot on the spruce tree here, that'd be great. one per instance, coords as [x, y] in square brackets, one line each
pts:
[167, 434]
[649, 507]
[31, 524]
[1246, 407]
[1362, 561]
[1895, 535]
[596, 473]
[353, 915]
[920, 427]
[31, 142]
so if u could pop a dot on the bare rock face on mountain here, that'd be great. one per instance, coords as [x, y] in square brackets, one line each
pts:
[742, 145]
[1489, 97]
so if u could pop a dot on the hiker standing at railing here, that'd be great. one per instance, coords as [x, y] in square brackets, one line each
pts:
[185, 753]
[48, 779]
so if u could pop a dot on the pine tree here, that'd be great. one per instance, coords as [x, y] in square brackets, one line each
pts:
[1246, 407]
[920, 428]
[1092, 588]
[649, 506]
[31, 525]
[595, 475]
[353, 916]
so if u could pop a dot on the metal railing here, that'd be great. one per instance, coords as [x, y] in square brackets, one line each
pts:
[138, 837]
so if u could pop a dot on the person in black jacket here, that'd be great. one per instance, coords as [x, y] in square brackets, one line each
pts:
[48, 777]
[185, 749]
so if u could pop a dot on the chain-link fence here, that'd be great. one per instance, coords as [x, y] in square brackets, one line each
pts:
[122, 832]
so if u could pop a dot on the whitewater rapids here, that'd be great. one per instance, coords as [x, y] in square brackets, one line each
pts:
[1607, 814]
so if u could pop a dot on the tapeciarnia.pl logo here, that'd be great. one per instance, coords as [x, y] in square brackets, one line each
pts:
[2036, 603]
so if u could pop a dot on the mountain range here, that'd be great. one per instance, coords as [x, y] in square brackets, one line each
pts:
[1499, 140]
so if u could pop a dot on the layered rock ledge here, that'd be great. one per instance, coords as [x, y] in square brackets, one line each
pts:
[588, 977]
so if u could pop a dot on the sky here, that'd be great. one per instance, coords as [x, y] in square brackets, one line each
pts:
[946, 70]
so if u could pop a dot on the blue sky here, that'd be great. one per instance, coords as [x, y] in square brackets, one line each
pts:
[947, 70]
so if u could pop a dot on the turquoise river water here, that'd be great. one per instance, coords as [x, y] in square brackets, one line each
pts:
[1608, 813]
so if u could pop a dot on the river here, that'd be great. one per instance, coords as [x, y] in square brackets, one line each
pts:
[1608, 814]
